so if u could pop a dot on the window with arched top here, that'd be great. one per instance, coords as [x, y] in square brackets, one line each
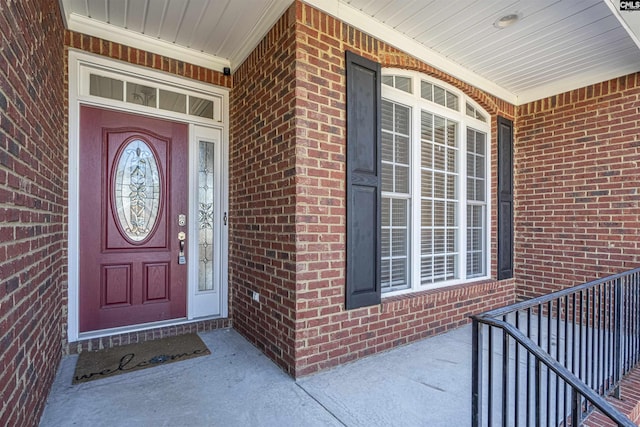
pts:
[435, 184]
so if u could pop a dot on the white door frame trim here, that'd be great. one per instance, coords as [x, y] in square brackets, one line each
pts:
[79, 95]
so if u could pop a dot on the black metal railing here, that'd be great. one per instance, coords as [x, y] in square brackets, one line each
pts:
[551, 360]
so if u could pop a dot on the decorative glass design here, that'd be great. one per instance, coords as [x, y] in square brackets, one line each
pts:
[137, 190]
[142, 95]
[206, 192]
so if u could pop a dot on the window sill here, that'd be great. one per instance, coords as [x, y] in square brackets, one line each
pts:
[435, 289]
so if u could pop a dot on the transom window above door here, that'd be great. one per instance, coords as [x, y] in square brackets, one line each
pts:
[435, 185]
[122, 90]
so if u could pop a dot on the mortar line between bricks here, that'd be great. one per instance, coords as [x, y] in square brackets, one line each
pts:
[321, 404]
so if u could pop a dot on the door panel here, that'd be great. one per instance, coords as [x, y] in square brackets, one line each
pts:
[115, 285]
[133, 187]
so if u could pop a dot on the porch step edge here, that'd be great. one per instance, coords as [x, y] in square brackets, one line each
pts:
[628, 404]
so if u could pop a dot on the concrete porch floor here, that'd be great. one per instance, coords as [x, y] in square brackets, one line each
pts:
[427, 383]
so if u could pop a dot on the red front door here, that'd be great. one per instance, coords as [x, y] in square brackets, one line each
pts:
[133, 190]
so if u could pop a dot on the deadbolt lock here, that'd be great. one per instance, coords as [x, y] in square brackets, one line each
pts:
[182, 220]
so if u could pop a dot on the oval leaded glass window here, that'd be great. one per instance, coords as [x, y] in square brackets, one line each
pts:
[137, 190]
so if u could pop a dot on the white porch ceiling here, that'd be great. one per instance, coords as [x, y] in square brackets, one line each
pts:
[557, 45]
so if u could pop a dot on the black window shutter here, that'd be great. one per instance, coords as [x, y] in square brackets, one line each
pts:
[363, 181]
[505, 198]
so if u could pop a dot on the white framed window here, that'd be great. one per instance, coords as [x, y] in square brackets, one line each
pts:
[119, 89]
[435, 185]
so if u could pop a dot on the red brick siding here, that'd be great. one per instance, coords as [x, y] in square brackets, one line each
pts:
[179, 68]
[33, 206]
[577, 186]
[146, 335]
[338, 336]
[263, 181]
[143, 58]
[287, 238]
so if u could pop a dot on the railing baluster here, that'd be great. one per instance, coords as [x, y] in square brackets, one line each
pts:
[633, 331]
[617, 337]
[630, 327]
[610, 339]
[538, 389]
[574, 353]
[558, 337]
[528, 399]
[634, 290]
[630, 330]
[580, 327]
[490, 375]
[592, 334]
[575, 408]
[614, 323]
[565, 403]
[601, 344]
[602, 347]
[626, 332]
[549, 319]
[636, 325]
[623, 329]
[599, 384]
[476, 373]
[607, 327]
[505, 377]
[516, 385]
[538, 397]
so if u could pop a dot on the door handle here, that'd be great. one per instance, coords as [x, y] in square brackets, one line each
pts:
[181, 258]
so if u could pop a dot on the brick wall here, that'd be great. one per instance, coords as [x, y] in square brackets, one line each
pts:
[33, 205]
[143, 58]
[287, 208]
[263, 181]
[145, 335]
[577, 186]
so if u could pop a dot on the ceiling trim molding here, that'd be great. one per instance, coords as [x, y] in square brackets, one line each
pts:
[352, 16]
[566, 85]
[634, 21]
[269, 17]
[95, 28]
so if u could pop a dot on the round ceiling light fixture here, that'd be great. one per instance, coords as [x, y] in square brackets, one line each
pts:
[506, 20]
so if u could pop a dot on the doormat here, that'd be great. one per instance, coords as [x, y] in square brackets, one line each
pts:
[93, 365]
